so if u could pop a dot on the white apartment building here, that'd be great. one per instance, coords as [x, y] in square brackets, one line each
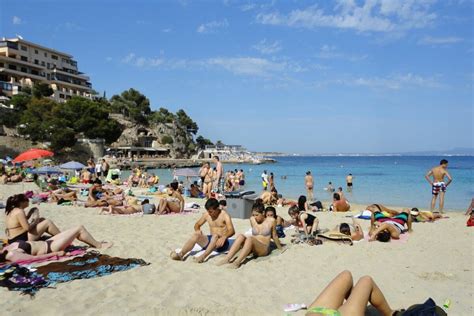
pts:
[23, 63]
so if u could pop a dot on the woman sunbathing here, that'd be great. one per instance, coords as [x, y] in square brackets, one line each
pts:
[383, 227]
[308, 221]
[353, 230]
[130, 207]
[64, 194]
[174, 203]
[54, 246]
[263, 230]
[331, 300]
[17, 225]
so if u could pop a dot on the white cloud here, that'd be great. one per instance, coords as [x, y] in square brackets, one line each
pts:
[428, 40]
[369, 16]
[247, 65]
[392, 82]
[212, 26]
[331, 52]
[16, 20]
[167, 30]
[248, 7]
[266, 47]
[141, 62]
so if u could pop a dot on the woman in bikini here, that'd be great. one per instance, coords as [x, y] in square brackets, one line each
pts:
[54, 246]
[131, 207]
[174, 203]
[16, 222]
[383, 227]
[307, 221]
[342, 297]
[263, 230]
[208, 180]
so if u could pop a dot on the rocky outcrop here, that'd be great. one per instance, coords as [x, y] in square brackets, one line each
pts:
[171, 136]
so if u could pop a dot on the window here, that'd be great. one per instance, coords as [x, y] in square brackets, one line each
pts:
[2, 65]
[24, 48]
[37, 61]
[12, 67]
[48, 76]
[42, 63]
[54, 57]
[34, 72]
[48, 65]
[36, 51]
[45, 54]
[23, 69]
[24, 58]
[61, 96]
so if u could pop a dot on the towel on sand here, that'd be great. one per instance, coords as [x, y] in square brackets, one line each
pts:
[91, 265]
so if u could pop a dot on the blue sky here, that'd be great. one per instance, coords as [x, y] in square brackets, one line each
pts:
[294, 76]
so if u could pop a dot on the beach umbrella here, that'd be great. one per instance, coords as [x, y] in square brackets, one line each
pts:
[72, 165]
[186, 172]
[47, 170]
[33, 153]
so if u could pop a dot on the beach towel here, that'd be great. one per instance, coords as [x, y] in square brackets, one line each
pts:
[363, 215]
[75, 252]
[91, 265]
[197, 250]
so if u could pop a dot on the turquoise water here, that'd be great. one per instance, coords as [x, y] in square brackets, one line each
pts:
[393, 180]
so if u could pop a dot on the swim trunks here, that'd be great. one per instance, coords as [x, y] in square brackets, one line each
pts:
[223, 248]
[349, 184]
[437, 187]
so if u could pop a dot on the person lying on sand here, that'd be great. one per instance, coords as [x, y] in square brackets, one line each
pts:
[22, 226]
[424, 216]
[353, 230]
[341, 297]
[263, 230]
[131, 207]
[383, 227]
[96, 192]
[221, 229]
[54, 246]
[307, 221]
[65, 194]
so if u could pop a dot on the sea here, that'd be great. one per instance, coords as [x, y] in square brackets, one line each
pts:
[389, 180]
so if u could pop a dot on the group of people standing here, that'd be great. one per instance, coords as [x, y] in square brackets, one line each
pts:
[214, 180]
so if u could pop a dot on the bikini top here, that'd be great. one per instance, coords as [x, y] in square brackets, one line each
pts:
[25, 246]
[266, 231]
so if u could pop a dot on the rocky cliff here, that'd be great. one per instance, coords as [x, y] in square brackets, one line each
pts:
[171, 136]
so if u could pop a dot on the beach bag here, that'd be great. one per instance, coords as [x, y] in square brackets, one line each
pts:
[428, 308]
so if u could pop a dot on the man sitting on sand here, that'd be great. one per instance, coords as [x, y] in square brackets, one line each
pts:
[338, 204]
[220, 226]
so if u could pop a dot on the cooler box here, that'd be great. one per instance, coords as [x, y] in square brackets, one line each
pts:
[239, 203]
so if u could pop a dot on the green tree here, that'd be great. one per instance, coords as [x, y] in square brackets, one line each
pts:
[202, 142]
[162, 116]
[20, 101]
[42, 90]
[131, 103]
[187, 122]
[166, 140]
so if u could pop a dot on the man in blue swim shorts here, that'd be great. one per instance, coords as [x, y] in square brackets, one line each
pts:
[221, 229]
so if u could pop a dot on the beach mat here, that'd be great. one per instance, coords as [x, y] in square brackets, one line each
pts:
[91, 265]
[197, 250]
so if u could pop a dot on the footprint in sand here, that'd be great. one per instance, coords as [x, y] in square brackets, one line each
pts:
[436, 276]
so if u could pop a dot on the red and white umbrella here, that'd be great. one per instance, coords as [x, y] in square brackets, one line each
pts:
[33, 153]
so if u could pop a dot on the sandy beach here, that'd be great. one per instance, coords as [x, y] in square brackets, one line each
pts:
[436, 261]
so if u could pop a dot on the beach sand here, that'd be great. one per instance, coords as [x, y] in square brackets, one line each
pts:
[436, 261]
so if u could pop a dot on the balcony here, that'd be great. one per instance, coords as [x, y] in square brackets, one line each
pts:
[11, 60]
[87, 85]
[79, 75]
